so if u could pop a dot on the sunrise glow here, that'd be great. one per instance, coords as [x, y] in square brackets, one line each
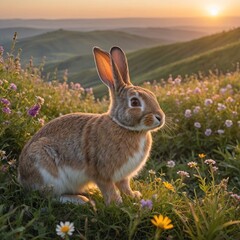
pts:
[214, 11]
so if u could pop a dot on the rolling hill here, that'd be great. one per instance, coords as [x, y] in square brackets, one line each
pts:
[6, 34]
[61, 44]
[221, 50]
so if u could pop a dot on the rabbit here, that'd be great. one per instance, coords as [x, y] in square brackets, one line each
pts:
[107, 149]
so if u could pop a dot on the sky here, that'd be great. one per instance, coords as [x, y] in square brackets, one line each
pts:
[55, 9]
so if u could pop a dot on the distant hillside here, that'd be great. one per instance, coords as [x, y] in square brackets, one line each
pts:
[220, 50]
[169, 35]
[6, 34]
[61, 44]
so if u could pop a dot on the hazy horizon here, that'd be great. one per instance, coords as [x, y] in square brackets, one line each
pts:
[60, 9]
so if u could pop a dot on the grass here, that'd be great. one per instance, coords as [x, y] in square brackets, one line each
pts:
[201, 198]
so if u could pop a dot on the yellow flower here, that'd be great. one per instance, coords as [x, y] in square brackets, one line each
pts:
[169, 186]
[64, 229]
[162, 222]
[202, 155]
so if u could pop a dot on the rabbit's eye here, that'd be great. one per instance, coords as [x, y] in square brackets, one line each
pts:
[135, 102]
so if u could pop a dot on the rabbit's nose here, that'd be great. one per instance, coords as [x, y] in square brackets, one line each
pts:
[158, 117]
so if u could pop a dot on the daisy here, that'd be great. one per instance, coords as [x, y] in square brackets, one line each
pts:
[64, 229]
[162, 222]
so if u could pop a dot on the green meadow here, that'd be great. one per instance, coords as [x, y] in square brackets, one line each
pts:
[192, 176]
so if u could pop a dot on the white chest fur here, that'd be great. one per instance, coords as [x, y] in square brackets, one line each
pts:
[134, 163]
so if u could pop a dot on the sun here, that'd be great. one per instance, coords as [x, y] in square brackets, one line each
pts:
[213, 11]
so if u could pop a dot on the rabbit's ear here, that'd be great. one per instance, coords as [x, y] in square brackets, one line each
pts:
[103, 65]
[120, 60]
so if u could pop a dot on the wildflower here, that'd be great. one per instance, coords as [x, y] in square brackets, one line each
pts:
[183, 174]
[34, 110]
[40, 100]
[202, 155]
[171, 164]
[196, 109]
[220, 131]
[210, 162]
[169, 186]
[188, 113]
[89, 91]
[208, 132]
[221, 107]
[235, 196]
[234, 113]
[177, 80]
[162, 222]
[6, 110]
[2, 153]
[41, 121]
[223, 90]
[146, 204]
[197, 90]
[228, 123]
[64, 229]
[151, 172]
[238, 122]
[208, 101]
[214, 168]
[4, 101]
[13, 86]
[230, 99]
[197, 125]
[192, 164]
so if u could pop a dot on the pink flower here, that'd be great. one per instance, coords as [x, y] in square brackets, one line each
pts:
[13, 86]
[197, 90]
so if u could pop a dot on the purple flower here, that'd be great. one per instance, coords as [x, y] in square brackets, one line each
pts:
[197, 125]
[6, 110]
[13, 86]
[146, 204]
[208, 132]
[5, 101]
[208, 101]
[34, 110]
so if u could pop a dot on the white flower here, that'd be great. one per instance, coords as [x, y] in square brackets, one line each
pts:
[188, 113]
[228, 123]
[183, 174]
[151, 172]
[197, 125]
[171, 164]
[238, 123]
[220, 131]
[64, 229]
[208, 132]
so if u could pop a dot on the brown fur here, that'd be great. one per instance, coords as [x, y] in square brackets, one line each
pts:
[95, 147]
